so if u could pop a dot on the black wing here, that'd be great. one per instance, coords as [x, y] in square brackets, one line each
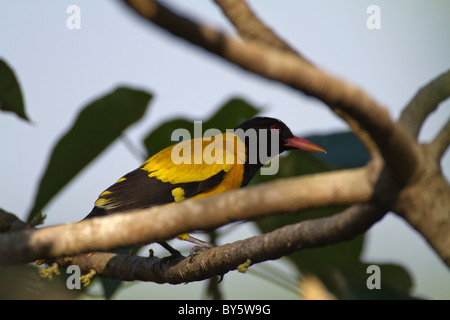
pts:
[136, 190]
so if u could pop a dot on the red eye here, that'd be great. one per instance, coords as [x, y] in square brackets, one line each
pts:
[275, 129]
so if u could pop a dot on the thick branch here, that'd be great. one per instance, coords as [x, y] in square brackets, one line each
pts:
[250, 27]
[220, 260]
[425, 205]
[161, 223]
[424, 102]
[397, 148]
[440, 143]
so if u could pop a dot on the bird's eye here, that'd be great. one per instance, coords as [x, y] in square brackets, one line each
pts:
[275, 129]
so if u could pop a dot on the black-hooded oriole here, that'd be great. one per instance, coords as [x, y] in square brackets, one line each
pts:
[203, 167]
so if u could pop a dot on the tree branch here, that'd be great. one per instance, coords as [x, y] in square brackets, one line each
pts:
[250, 27]
[425, 205]
[218, 261]
[440, 143]
[161, 223]
[405, 161]
[415, 191]
[397, 148]
[424, 102]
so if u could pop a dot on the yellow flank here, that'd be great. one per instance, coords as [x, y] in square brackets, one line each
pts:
[178, 194]
[196, 159]
[121, 179]
[231, 180]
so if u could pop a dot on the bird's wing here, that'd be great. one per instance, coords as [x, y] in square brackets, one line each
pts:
[173, 175]
[196, 159]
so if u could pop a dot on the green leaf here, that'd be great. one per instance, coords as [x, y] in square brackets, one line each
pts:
[344, 150]
[110, 286]
[10, 94]
[229, 116]
[395, 283]
[97, 126]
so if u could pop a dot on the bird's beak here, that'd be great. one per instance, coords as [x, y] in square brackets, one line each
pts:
[302, 144]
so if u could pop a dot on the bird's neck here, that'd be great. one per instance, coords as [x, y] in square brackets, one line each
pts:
[253, 161]
[252, 164]
[249, 172]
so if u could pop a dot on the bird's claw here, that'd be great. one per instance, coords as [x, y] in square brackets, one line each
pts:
[197, 249]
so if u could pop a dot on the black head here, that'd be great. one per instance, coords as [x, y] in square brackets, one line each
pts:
[270, 130]
[264, 139]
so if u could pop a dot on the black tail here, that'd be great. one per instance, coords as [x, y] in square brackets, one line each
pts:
[96, 212]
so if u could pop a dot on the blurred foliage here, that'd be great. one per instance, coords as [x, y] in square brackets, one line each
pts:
[24, 282]
[10, 93]
[98, 125]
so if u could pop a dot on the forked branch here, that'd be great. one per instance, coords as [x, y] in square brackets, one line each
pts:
[397, 148]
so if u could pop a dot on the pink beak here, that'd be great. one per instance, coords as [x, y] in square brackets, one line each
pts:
[303, 144]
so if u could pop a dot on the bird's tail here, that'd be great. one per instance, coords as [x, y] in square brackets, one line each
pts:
[39, 262]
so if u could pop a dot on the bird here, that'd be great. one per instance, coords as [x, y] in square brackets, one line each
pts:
[162, 181]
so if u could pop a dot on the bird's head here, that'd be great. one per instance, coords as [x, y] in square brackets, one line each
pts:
[269, 130]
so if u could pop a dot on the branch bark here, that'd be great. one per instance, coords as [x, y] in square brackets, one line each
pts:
[411, 183]
[424, 102]
[397, 147]
[250, 27]
[161, 223]
[440, 142]
[425, 205]
[220, 260]
[405, 160]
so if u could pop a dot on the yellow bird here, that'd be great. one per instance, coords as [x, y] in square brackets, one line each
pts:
[198, 168]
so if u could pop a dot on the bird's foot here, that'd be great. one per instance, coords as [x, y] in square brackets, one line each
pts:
[200, 248]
